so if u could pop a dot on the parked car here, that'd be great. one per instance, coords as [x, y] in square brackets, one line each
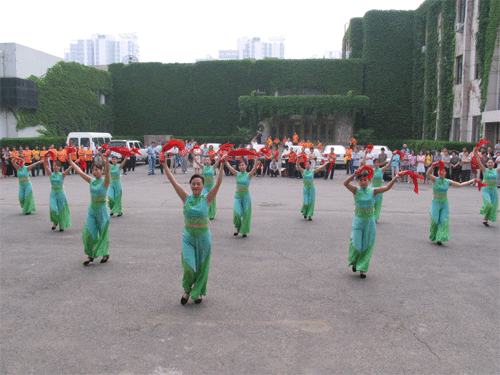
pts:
[130, 144]
[86, 139]
[340, 151]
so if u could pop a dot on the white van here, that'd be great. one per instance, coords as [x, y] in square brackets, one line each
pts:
[85, 139]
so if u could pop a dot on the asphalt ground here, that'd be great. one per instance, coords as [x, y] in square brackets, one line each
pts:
[281, 301]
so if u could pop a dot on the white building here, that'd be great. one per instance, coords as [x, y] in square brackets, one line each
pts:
[254, 48]
[17, 63]
[103, 49]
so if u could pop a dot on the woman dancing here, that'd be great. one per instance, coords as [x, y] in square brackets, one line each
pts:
[490, 194]
[59, 209]
[26, 199]
[363, 225]
[196, 238]
[242, 214]
[115, 187]
[440, 208]
[378, 177]
[308, 191]
[95, 234]
[208, 175]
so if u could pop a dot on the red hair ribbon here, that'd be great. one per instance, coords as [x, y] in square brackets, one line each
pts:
[440, 163]
[50, 152]
[243, 152]
[136, 151]
[369, 148]
[479, 184]
[414, 177]
[20, 161]
[173, 143]
[401, 155]
[480, 143]
[226, 147]
[365, 168]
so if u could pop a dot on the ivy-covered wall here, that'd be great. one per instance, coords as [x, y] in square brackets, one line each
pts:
[388, 53]
[202, 98]
[68, 99]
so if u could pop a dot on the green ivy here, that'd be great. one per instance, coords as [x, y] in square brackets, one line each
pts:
[32, 142]
[490, 38]
[418, 74]
[269, 106]
[68, 100]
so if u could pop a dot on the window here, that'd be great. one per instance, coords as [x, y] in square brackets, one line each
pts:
[461, 10]
[476, 128]
[456, 130]
[458, 69]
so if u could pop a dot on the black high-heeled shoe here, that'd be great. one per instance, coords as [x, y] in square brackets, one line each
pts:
[353, 268]
[105, 259]
[184, 300]
[198, 301]
[89, 259]
[244, 236]
[362, 275]
[54, 227]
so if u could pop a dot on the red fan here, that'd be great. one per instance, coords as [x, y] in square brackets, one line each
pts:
[366, 168]
[226, 147]
[162, 157]
[103, 147]
[480, 143]
[173, 143]
[196, 147]
[242, 152]
[82, 163]
[414, 177]
[71, 150]
[479, 183]
[440, 163]
[401, 155]
[136, 151]
[265, 151]
[123, 151]
[369, 148]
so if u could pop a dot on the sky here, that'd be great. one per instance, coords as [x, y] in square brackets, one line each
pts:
[182, 31]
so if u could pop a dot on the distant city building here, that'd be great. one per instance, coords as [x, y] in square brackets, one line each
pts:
[332, 55]
[254, 48]
[104, 49]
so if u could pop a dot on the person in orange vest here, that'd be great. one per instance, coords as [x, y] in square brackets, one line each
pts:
[353, 142]
[61, 156]
[74, 156]
[320, 145]
[81, 156]
[88, 159]
[42, 156]
[348, 157]
[277, 142]
[295, 138]
[292, 158]
[302, 161]
[269, 141]
[14, 154]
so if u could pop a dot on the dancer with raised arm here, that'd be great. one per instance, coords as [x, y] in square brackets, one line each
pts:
[115, 191]
[208, 171]
[26, 198]
[59, 209]
[490, 193]
[242, 213]
[95, 234]
[378, 178]
[440, 208]
[308, 191]
[196, 238]
[363, 225]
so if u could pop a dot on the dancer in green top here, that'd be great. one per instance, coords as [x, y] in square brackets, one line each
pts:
[59, 209]
[378, 177]
[115, 187]
[95, 234]
[490, 193]
[440, 208]
[26, 199]
[242, 208]
[308, 191]
[196, 238]
[208, 175]
[363, 225]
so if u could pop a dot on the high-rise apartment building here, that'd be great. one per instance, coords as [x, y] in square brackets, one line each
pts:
[254, 48]
[102, 49]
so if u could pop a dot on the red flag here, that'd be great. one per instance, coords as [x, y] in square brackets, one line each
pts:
[242, 152]
[401, 155]
[440, 163]
[121, 150]
[104, 147]
[226, 147]
[136, 151]
[479, 184]
[480, 143]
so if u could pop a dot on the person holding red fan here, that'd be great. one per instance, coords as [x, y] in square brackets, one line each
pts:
[490, 194]
[363, 225]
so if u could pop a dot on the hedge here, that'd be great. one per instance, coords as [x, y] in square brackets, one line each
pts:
[33, 141]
